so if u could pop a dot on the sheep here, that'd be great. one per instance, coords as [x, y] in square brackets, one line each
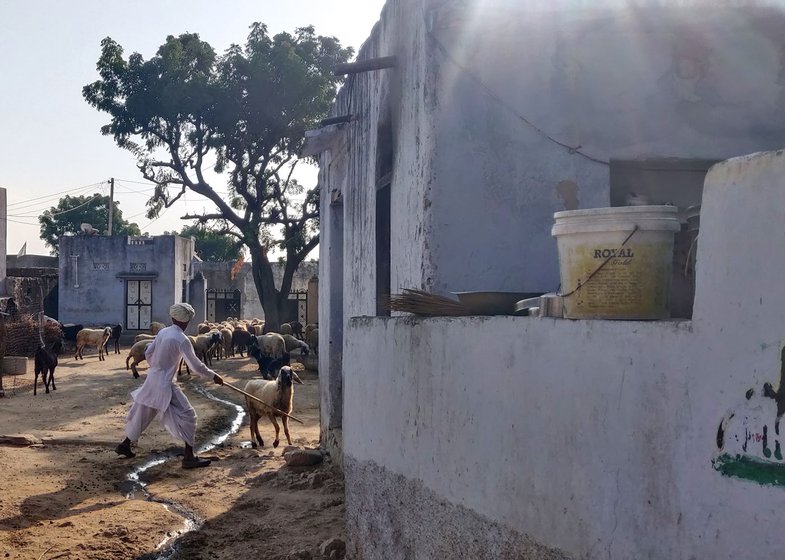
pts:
[240, 340]
[285, 328]
[45, 364]
[144, 336]
[117, 330]
[203, 328]
[272, 344]
[312, 339]
[137, 353]
[293, 343]
[204, 344]
[269, 367]
[226, 335]
[278, 394]
[155, 326]
[92, 337]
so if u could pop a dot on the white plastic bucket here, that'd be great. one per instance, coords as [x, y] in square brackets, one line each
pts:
[615, 263]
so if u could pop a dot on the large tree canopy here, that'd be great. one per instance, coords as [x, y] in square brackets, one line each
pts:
[211, 245]
[242, 115]
[72, 211]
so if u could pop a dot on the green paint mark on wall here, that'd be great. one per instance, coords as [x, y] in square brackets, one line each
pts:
[765, 473]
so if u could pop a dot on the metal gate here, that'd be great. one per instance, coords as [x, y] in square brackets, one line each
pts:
[296, 308]
[222, 304]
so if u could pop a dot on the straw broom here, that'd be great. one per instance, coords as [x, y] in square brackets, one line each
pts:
[420, 302]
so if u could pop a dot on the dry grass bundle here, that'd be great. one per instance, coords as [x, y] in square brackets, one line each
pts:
[21, 336]
[419, 302]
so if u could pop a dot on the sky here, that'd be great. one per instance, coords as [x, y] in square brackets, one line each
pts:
[50, 140]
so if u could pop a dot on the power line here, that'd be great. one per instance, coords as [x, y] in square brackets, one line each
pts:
[496, 97]
[44, 204]
[88, 201]
[96, 195]
[27, 201]
[23, 223]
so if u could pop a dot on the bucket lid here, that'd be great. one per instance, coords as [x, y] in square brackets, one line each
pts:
[617, 218]
[614, 211]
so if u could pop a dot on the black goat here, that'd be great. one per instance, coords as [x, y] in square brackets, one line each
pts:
[117, 330]
[45, 364]
[268, 366]
[297, 329]
[69, 332]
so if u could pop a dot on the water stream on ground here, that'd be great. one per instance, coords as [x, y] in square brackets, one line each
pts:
[135, 488]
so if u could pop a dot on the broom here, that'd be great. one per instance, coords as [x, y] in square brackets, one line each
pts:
[420, 302]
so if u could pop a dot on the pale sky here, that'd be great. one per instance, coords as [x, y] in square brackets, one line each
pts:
[50, 140]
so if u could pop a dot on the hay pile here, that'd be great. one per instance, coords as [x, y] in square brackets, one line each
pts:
[21, 336]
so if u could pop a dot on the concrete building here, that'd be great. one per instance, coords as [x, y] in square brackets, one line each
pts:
[127, 280]
[240, 297]
[499, 437]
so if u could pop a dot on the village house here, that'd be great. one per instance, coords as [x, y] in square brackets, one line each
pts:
[459, 132]
[132, 281]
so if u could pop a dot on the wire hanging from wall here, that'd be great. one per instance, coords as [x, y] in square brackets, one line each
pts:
[497, 98]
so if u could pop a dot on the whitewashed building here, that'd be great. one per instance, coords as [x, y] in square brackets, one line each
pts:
[498, 437]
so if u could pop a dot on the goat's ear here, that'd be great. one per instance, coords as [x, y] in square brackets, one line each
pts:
[296, 378]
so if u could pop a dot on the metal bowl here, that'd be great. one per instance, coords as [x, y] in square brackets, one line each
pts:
[493, 303]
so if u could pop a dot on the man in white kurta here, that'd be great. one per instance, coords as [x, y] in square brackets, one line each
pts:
[160, 395]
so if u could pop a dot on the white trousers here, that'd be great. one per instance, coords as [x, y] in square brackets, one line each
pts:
[179, 419]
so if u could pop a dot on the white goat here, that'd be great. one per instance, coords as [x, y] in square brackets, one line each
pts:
[92, 337]
[278, 394]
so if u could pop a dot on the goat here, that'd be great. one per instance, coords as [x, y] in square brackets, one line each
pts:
[117, 330]
[268, 366]
[297, 329]
[45, 364]
[278, 394]
[69, 332]
[92, 337]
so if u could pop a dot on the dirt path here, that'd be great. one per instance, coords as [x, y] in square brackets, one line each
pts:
[66, 498]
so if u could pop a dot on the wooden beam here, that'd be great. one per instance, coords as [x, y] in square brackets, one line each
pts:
[365, 65]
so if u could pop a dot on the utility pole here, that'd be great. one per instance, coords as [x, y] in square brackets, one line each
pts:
[111, 203]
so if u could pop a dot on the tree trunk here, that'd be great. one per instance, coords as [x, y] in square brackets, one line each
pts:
[265, 286]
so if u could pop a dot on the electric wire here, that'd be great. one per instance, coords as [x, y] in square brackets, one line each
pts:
[52, 195]
[501, 102]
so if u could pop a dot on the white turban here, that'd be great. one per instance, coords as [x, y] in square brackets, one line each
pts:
[182, 312]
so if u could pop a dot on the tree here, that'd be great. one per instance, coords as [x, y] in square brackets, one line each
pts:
[249, 109]
[211, 245]
[73, 211]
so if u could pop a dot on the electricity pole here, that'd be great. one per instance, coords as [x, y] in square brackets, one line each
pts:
[111, 203]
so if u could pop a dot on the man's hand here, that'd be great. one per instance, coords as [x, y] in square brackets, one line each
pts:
[218, 380]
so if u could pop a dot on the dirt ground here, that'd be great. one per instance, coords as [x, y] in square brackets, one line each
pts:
[68, 497]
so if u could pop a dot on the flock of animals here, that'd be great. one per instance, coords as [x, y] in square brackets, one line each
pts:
[214, 341]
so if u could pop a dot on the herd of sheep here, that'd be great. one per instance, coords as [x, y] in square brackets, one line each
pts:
[214, 341]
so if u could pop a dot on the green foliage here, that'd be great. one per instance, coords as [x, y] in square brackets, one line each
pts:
[248, 109]
[210, 245]
[73, 211]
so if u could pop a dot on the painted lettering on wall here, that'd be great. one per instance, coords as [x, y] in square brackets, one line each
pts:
[749, 437]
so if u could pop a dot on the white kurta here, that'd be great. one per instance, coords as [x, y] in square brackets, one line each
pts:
[159, 393]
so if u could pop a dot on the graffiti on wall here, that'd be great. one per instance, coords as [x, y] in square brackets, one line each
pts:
[751, 437]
